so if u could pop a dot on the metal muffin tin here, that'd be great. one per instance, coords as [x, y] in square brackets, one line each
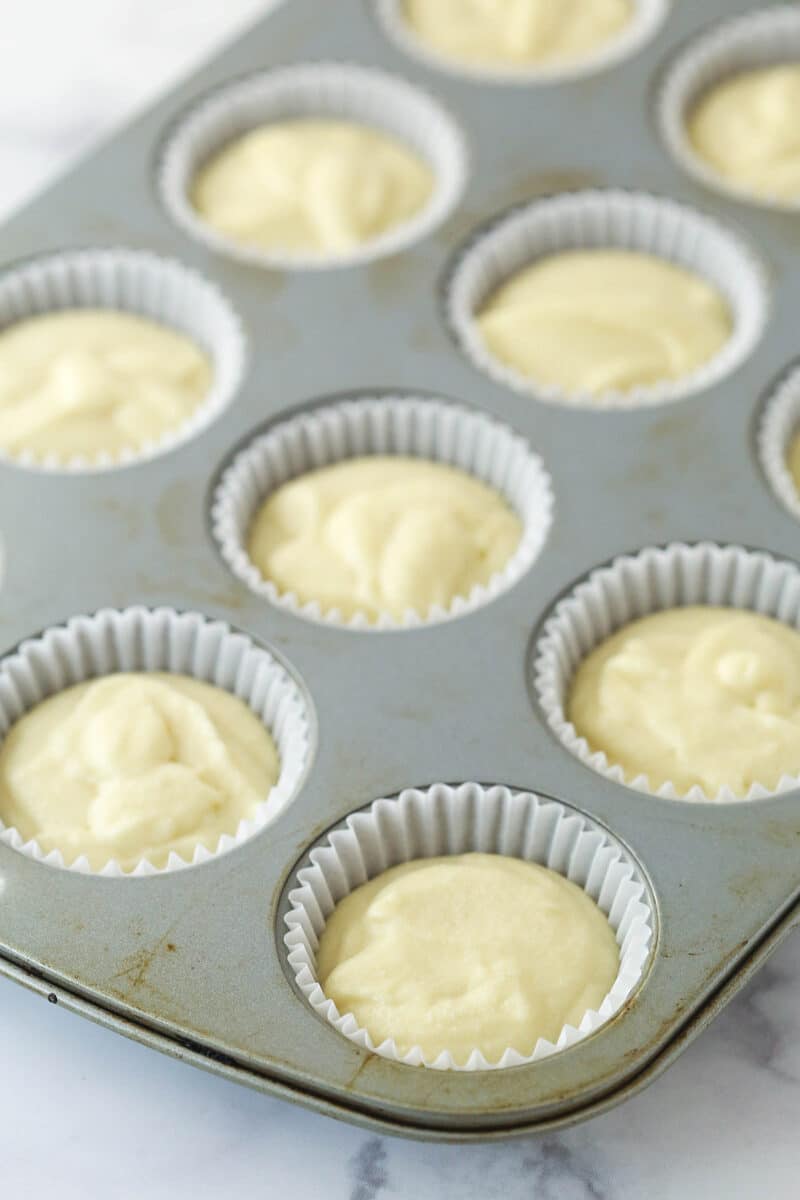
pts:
[192, 961]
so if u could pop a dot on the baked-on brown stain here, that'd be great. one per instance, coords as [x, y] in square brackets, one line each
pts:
[148, 585]
[532, 185]
[781, 835]
[750, 883]
[458, 226]
[135, 969]
[128, 516]
[276, 334]
[365, 1062]
[175, 514]
[391, 279]
[426, 337]
[677, 442]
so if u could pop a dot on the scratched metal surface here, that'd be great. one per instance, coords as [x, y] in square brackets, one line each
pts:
[191, 962]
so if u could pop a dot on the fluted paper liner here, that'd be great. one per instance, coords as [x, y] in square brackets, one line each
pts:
[144, 285]
[766, 37]
[647, 18]
[444, 820]
[779, 425]
[621, 220]
[417, 427]
[337, 90]
[141, 639]
[635, 586]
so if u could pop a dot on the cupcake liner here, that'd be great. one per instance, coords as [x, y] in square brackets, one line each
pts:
[761, 38]
[634, 586]
[141, 283]
[443, 820]
[780, 422]
[423, 428]
[141, 639]
[340, 90]
[648, 16]
[607, 219]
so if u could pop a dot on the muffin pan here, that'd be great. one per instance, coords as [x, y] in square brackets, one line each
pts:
[193, 961]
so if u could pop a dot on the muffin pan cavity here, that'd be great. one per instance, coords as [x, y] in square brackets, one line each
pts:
[610, 220]
[635, 586]
[415, 427]
[138, 639]
[764, 37]
[343, 91]
[646, 19]
[144, 285]
[444, 820]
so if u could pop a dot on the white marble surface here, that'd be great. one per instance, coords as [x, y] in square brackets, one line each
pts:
[84, 1113]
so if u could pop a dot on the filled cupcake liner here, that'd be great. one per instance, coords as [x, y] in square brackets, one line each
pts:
[779, 424]
[762, 38]
[145, 285]
[635, 586]
[336, 90]
[443, 820]
[401, 425]
[611, 219]
[141, 639]
[647, 18]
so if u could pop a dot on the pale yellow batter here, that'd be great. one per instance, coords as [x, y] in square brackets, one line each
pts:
[82, 383]
[793, 460]
[319, 187]
[516, 33]
[471, 952]
[598, 321]
[383, 535]
[133, 766]
[748, 129]
[697, 695]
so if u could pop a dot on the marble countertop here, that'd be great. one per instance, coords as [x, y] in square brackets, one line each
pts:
[85, 1113]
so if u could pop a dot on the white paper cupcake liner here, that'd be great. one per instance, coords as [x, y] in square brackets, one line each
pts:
[762, 38]
[608, 219]
[443, 820]
[141, 283]
[140, 639]
[648, 16]
[416, 427]
[634, 586]
[340, 90]
[779, 424]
